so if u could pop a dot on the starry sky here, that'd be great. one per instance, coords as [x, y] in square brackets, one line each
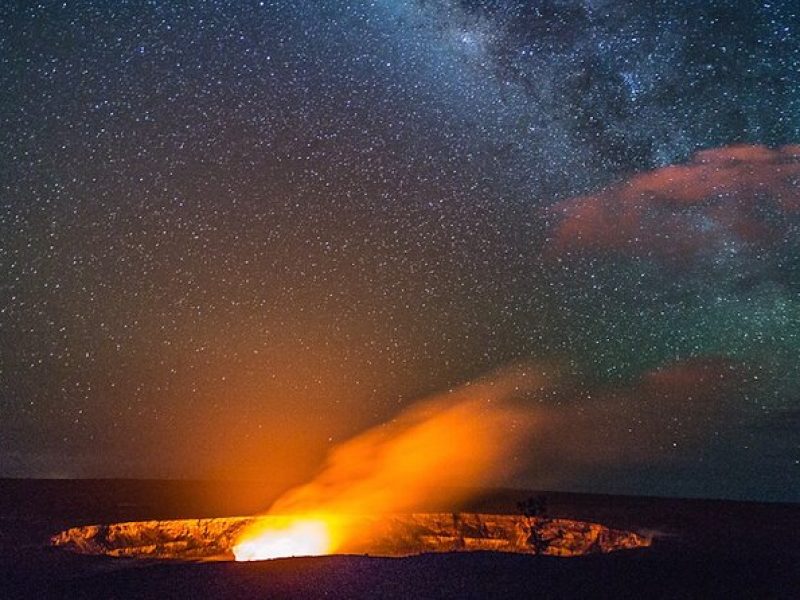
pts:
[235, 233]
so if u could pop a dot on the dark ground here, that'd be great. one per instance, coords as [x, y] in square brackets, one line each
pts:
[704, 549]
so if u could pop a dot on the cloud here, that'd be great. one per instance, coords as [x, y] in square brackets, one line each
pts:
[723, 198]
[666, 414]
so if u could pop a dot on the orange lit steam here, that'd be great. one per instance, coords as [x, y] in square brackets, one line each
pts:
[429, 453]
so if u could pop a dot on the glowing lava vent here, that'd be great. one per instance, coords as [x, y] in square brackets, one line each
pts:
[297, 537]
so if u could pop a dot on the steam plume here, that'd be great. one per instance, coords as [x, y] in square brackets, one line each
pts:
[430, 452]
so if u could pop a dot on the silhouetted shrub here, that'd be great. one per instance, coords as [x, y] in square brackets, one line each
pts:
[534, 506]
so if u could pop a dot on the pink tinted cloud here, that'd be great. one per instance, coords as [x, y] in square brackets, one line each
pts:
[721, 195]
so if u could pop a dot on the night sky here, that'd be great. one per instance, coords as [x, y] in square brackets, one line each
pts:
[235, 233]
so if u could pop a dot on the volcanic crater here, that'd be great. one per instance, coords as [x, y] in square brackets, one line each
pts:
[214, 539]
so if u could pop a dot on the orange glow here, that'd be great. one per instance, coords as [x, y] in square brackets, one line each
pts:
[298, 537]
[430, 453]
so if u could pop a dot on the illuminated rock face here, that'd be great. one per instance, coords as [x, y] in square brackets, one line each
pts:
[384, 535]
[183, 539]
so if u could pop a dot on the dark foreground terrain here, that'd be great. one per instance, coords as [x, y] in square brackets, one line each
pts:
[702, 549]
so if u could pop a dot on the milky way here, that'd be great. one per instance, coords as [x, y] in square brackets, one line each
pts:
[235, 233]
